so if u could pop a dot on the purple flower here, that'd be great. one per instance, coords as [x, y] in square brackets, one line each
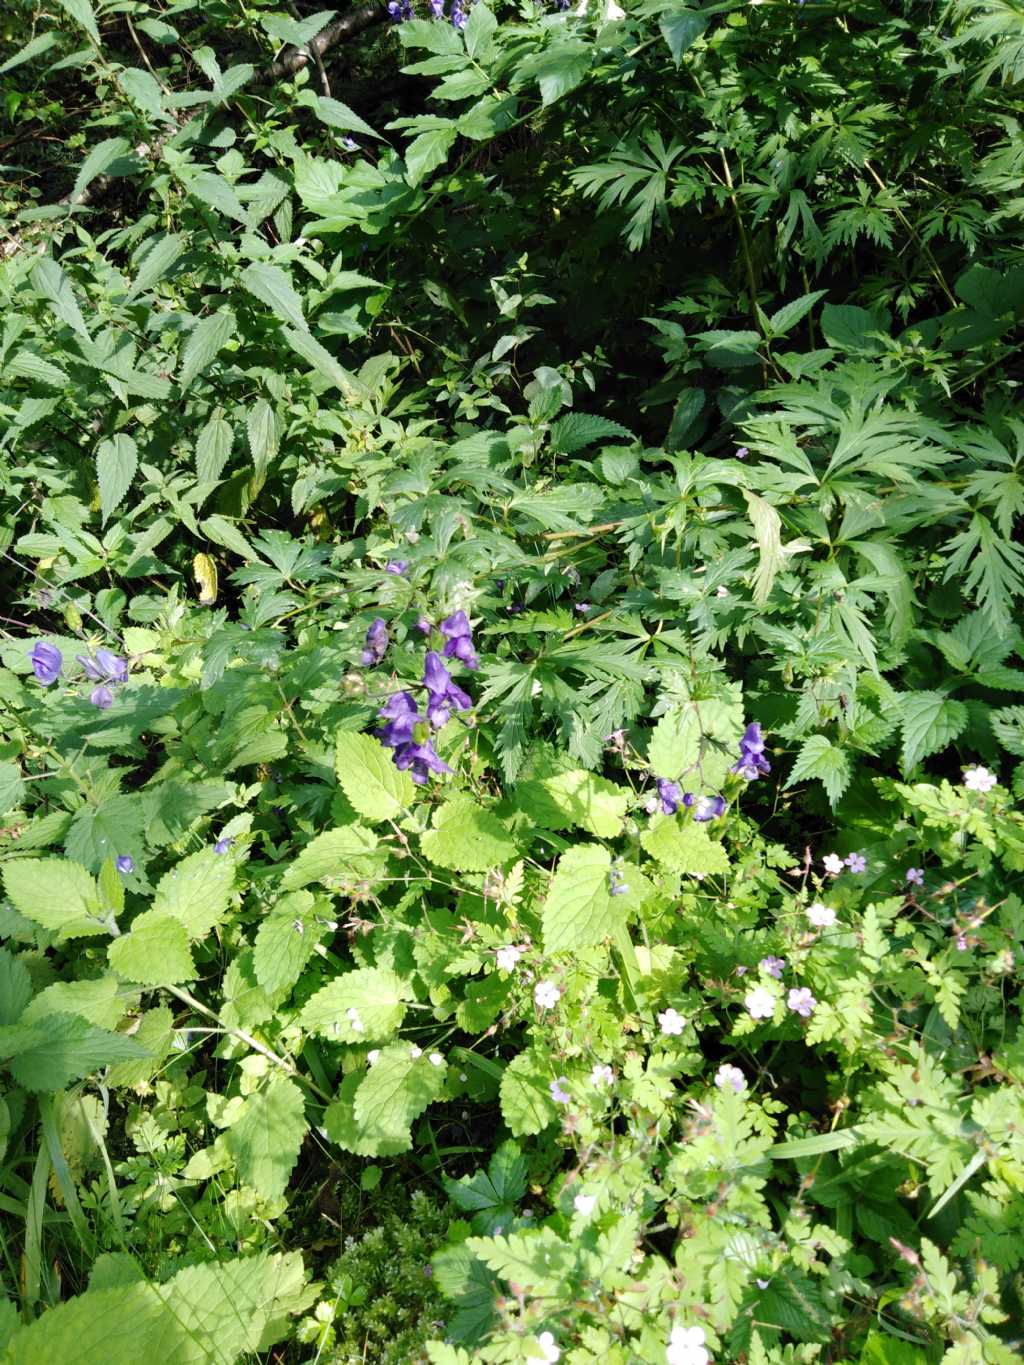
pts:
[396, 566]
[46, 662]
[801, 1002]
[437, 8]
[442, 693]
[401, 715]
[104, 667]
[773, 966]
[616, 886]
[751, 760]
[856, 862]
[400, 10]
[102, 697]
[669, 795]
[350, 144]
[559, 1095]
[458, 15]
[125, 863]
[458, 637]
[915, 876]
[584, 607]
[223, 845]
[421, 759]
[424, 625]
[742, 452]
[707, 807]
[376, 643]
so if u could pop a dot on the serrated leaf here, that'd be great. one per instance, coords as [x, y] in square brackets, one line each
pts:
[928, 722]
[395, 1091]
[526, 1103]
[684, 848]
[100, 159]
[338, 115]
[467, 838]
[15, 988]
[342, 1127]
[264, 436]
[576, 798]
[49, 280]
[819, 757]
[374, 995]
[213, 448]
[108, 830]
[163, 252]
[674, 746]
[206, 339]
[768, 534]
[271, 286]
[83, 13]
[97, 1000]
[154, 952]
[197, 892]
[558, 69]
[12, 787]
[322, 361]
[369, 778]
[579, 910]
[428, 151]
[337, 853]
[791, 313]
[285, 942]
[58, 894]
[215, 192]
[681, 28]
[117, 459]
[266, 1138]
[577, 430]
[155, 1034]
[64, 1047]
[1008, 727]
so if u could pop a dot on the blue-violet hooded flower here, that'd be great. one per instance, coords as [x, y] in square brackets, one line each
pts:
[752, 761]
[459, 639]
[376, 643]
[47, 661]
[669, 795]
[443, 695]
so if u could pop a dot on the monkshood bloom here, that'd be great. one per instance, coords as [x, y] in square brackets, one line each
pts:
[102, 697]
[125, 863]
[47, 661]
[421, 760]
[752, 761]
[437, 8]
[704, 807]
[396, 567]
[376, 643]
[443, 695]
[401, 714]
[459, 640]
[104, 667]
[459, 18]
[669, 795]
[400, 10]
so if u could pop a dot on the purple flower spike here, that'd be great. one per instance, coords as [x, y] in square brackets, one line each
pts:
[376, 643]
[102, 697]
[47, 662]
[458, 15]
[443, 695]
[400, 10]
[104, 667]
[437, 8]
[752, 761]
[459, 640]
[125, 863]
[421, 759]
[401, 715]
[669, 795]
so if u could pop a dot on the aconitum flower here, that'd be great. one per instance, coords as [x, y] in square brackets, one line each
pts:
[396, 566]
[774, 966]
[459, 22]
[801, 1002]
[125, 863]
[752, 761]
[508, 956]
[915, 876]
[546, 995]
[456, 628]
[223, 844]
[669, 795]
[977, 779]
[400, 10]
[616, 886]
[437, 8]
[102, 697]
[401, 715]
[105, 666]
[760, 1003]
[821, 916]
[833, 863]
[856, 862]
[376, 643]
[601, 1074]
[686, 1347]
[708, 808]
[421, 760]
[729, 1077]
[47, 662]
[671, 1022]
[584, 1204]
[443, 695]
[558, 1094]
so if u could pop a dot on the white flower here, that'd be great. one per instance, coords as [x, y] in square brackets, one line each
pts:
[415, 1052]
[436, 1059]
[686, 1347]
[833, 863]
[354, 1021]
[671, 1022]
[978, 779]
[821, 916]
[760, 1003]
[372, 1055]
[584, 1204]
[613, 12]
[729, 1077]
[546, 995]
[721, 591]
[549, 1351]
[508, 956]
[601, 1074]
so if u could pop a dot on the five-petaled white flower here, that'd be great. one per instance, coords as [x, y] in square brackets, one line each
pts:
[821, 916]
[550, 1353]
[671, 1021]
[978, 779]
[760, 1003]
[833, 863]
[584, 1204]
[508, 956]
[602, 1074]
[686, 1347]
[729, 1077]
[546, 995]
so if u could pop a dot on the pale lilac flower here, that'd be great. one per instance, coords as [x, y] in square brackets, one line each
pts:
[961, 943]
[833, 863]
[856, 862]
[125, 863]
[546, 995]
[821, 916]
[760, 1003]
[801, 1001]
[436, 8]
[508, 956]
[223, 845]
[774, 966]
[584, 607]
[671, 1022]
[915, 876]
[47, 661]
[396, 567]
[102, 697]
[978, 779]
[729, 1077]
[721, 590]
[669, 795]
[708, 808]
[686, 1347]
[550, 1353]
[601, 1074]
[584, 1204]
[558, 1094]
[616, 886]
[742, 452]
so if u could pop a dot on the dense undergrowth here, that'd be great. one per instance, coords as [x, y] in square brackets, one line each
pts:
[512, 686]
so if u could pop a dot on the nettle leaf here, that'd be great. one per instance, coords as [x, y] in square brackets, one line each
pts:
[820, 758]
[15, 988]
[928, 721]
[674, 746]
[353, 1135]
[154, 952]
[395, 1091]
[64, 1047]
[209, 336]
[467, 838]
[1008, 727]
[197, 892]
[58, 894]
[579, 910]
[684, 848]
[266, 1138]
[428, 151]
[285, 941]
[576, 430]
[369, 778]
[337, 855]
[49, 280]
[116, 463]
[526, 1103]
[213, 448]
[271, 285]
[99, 1000]
[364, 1006]
[264, 435]
[575, 798]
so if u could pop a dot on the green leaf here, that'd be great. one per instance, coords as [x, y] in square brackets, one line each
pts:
[154, 952]
[105, 831]
[479, 32]
[264, 437]
[337, 115]
[215, 192]
[205, 340]
[155, 1034]
[526, 1103]
[162, 253]
[684, 848]
[98, 1000]
[928, 722]
[879, 1349]
[791, 313]
[117, 459]
[1008, 727]
[49, 280]
[363, 1006]
[41, 43]
[820, 758]
[428, 151]
[576, 798]
[768, 533]
[83, 13]
[59, 895]
[578, 909]
[286, 30]
[12, 787]
[342, 1126]
[467, 837]
[681, 28]
[100, 159]
[576, 430]
[64, 1047]
[674, 746]
[337, 854]
[266, 1138]
[197, 892]
[369, 778]
[322, 361]
[285, 942]
[491, 1196]
[271, 286]
[213, 448]
[558, 69]
[15, 988]
[849, 329]
[395, 1091]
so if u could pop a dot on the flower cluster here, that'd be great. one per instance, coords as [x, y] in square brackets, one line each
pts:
[104, 668]
[752, 762]
[703, 807]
